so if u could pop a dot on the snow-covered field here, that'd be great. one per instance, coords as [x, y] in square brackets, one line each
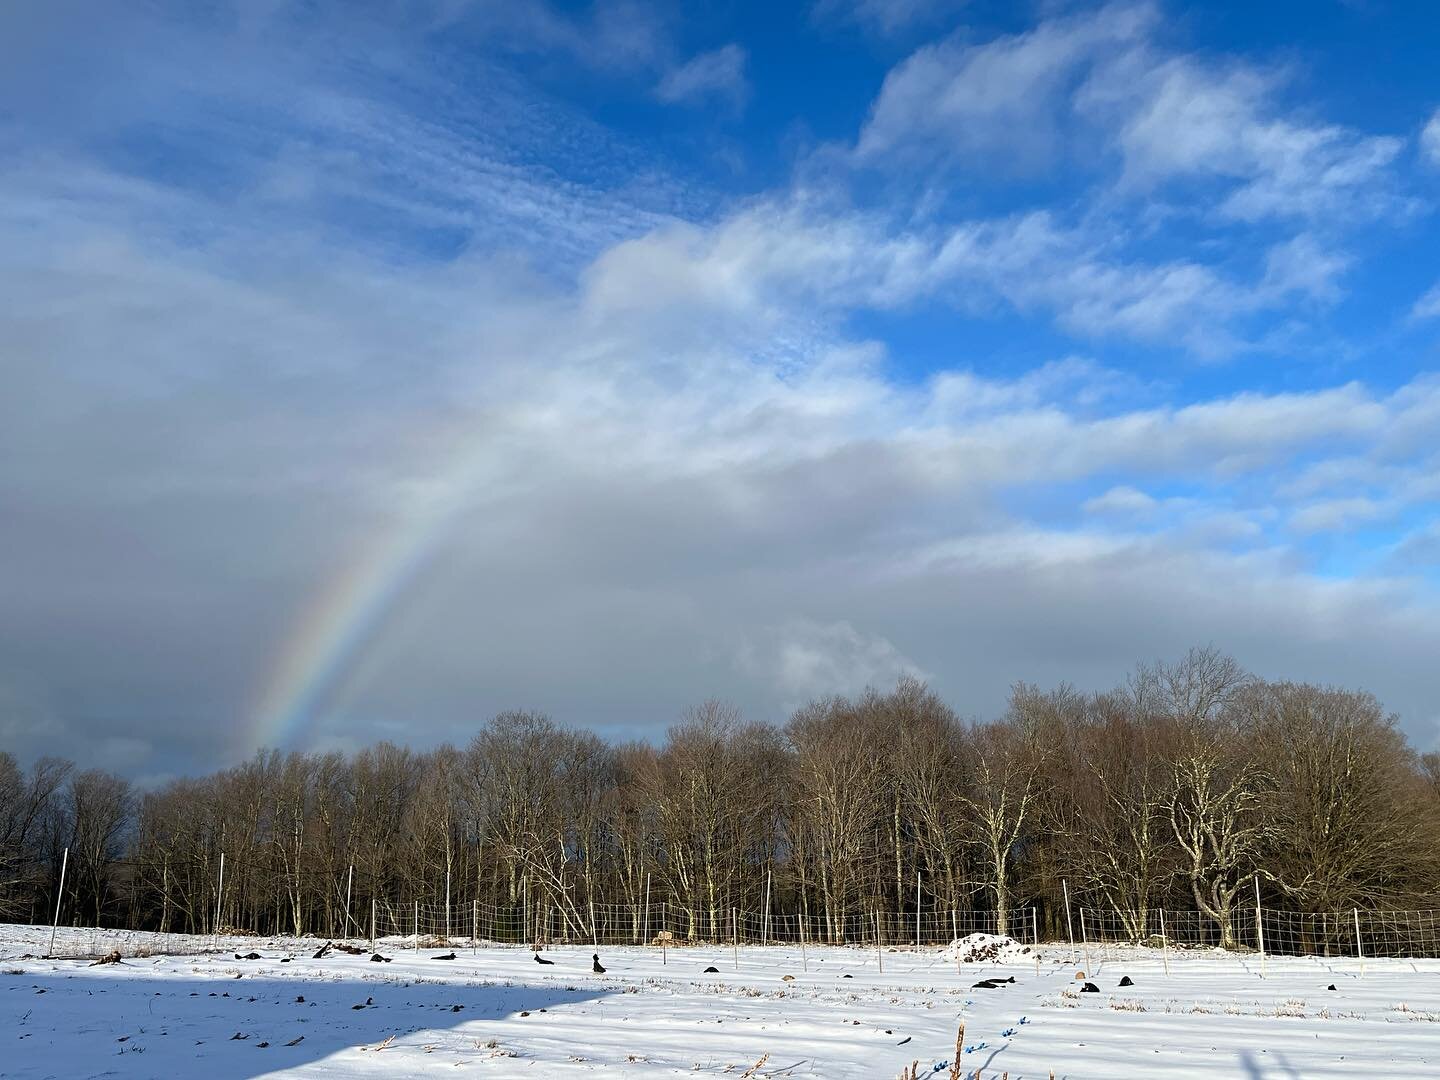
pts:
[182, 1012]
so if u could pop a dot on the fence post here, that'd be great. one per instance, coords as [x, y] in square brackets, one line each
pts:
[804, 956]
[1069, 923]
[220, 896]
[1085, 939]
[735, 935]
[1164, 943]
[664, 932]
[765, 926]
[59, 896]
[594, 926]
[954, 929]
[447, 905]
[525, 935]
[417, 924]
[1259, 927]
[646, 932]
[372, 924]
[917, 910]
[1035, 932]
[879, 956]
[1359, 948]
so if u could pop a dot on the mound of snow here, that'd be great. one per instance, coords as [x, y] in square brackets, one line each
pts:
[979, 948]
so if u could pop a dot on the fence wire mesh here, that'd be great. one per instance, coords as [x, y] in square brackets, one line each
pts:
[1355, 933]
[659, 923]
[563, 920]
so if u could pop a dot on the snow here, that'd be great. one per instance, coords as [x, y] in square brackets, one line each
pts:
[175, 1012]
[977, 948]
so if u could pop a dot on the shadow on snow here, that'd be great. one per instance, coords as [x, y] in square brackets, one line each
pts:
[107, 1021]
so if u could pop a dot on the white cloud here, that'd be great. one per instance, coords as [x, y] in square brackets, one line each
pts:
[996, 106]
[804, 658]
[1418, 549]
[1033, 262]
[579, 487]
[1179, 118]
[886, 17]
[716, 74]
[606, 34]
[1333, 515]
[766, 257]
[1303, 265]
[1428, 306]
[763, 259]
[1430, 139]
[626, 492]
[1087, 88]
[1124, 500]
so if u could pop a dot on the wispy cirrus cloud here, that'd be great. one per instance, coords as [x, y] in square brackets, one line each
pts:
[1430, 139]
[719, 73]
[1006, 100]
[1428, 306]
[887, 17]
[1179, 119]
[1100, 80]
[1154, 135]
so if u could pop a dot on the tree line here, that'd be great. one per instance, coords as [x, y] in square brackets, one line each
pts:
[1177, 789]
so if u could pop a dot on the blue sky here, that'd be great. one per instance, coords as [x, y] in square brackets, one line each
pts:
[372, 367]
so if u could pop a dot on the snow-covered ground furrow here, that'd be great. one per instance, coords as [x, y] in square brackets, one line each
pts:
[496, 1012]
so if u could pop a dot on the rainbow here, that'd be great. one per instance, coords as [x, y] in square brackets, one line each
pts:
[340, 618]
[347, 611]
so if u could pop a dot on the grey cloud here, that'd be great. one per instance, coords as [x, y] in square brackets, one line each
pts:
[664, 472]
[197, 459]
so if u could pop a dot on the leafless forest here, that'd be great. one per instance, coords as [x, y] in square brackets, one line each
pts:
[1176, 789]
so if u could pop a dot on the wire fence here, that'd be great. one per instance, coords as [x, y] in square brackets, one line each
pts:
[667, 923]
[562, 919]
[23, 941]
[1355, 933]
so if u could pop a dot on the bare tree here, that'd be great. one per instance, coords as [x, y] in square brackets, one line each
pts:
[930, 765]
[97, 814]
[24, 803]
[1217, 806]
[841, 800]
[1005, 766]
[1116, 835]
[1349, 825]
[1173, 790]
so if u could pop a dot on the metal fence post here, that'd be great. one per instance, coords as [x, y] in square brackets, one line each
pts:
[879, 956]
[917, 910]
[59, 896]
[1259, 927]
[1359, 948]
